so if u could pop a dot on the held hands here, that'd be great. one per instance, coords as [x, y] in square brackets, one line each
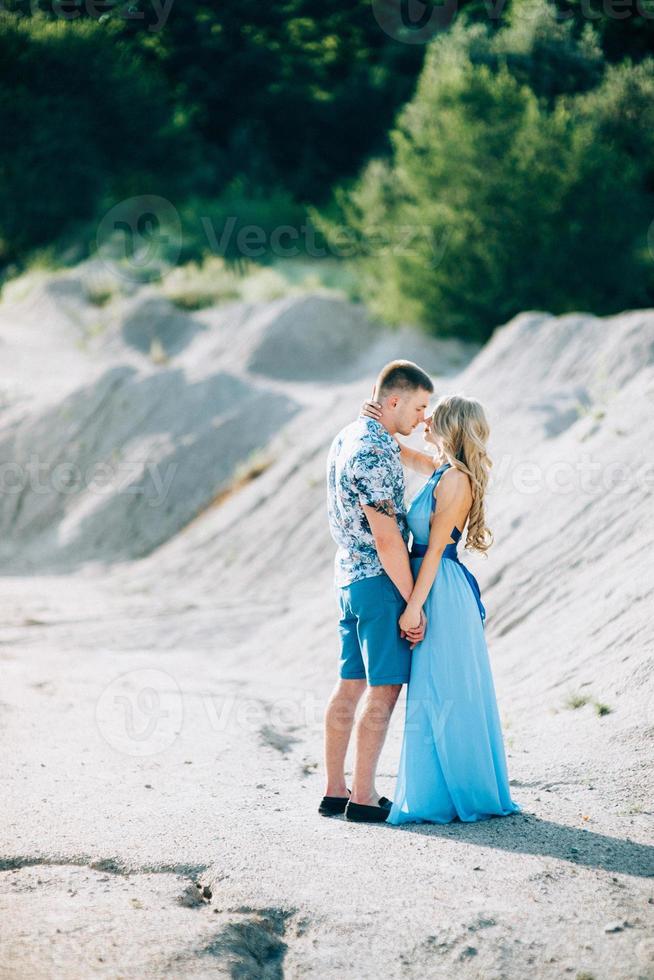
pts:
[413, 625]
[411, 619]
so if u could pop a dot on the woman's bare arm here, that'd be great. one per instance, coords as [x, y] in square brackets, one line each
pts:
[413, 459]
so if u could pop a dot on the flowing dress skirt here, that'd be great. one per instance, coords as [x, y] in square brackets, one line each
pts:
[452, 763]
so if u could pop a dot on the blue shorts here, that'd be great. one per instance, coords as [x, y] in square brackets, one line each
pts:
[371, 646]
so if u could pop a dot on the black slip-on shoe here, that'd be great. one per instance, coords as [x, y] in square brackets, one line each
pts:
[360, 813]
[385, 802]
[331, 806]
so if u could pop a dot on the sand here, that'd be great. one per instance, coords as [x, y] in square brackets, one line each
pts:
[168, 645]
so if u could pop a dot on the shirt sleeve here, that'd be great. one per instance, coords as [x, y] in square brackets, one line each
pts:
[371, 477]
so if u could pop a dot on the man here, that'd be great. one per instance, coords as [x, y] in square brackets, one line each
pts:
[367, 519]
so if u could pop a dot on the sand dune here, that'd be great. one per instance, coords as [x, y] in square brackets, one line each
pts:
[168, 645]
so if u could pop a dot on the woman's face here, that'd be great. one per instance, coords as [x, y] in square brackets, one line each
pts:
[429, 436]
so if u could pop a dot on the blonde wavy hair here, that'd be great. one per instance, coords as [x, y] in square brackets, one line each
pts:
[460, 425]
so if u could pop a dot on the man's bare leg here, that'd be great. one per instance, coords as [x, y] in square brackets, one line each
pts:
[369, 738]
[339, 720]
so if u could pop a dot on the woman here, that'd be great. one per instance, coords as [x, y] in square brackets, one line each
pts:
[452, 764]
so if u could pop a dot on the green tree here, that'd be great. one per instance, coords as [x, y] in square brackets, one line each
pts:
[289, 92]
[516, 197]
[83, 123]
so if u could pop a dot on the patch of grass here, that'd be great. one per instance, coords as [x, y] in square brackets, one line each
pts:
[574, 701]
[250, 469]
[255, 464]
[16, 288]
[44, 259]
[99, 295]
[326, 275]
[601, 708]
[89, 332]
[199, 285]
[157, 353]
[193, 300]
[212, 281]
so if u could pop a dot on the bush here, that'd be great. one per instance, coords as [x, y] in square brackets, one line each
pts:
[503, 194]
[243, 223]
[82, 123]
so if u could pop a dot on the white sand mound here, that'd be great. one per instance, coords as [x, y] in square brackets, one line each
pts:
[111, 452]
[178, 697]
[555, 369]
[310, 340]
[316, 338]
[118, 468]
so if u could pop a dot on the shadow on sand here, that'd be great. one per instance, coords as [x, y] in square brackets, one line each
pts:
[525, 833]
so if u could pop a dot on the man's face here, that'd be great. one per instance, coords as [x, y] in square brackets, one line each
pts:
[410, 410]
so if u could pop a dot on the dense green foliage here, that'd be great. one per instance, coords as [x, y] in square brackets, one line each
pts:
[625, 27]
[507, 164]
[297, 92]
[285, 94]
[82, 124]
[522, 177]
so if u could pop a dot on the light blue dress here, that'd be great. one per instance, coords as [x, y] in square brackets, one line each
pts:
[452, 763]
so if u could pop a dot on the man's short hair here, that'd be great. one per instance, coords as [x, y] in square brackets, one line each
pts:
[402, 376]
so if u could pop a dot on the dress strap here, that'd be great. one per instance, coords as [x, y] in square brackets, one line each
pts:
[439, 471]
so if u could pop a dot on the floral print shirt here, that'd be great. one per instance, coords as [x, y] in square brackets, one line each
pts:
[363, 467]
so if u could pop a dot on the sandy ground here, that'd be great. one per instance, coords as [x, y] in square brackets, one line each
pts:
[161, 708]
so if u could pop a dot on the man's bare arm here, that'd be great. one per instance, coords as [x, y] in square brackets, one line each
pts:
[390, 544]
